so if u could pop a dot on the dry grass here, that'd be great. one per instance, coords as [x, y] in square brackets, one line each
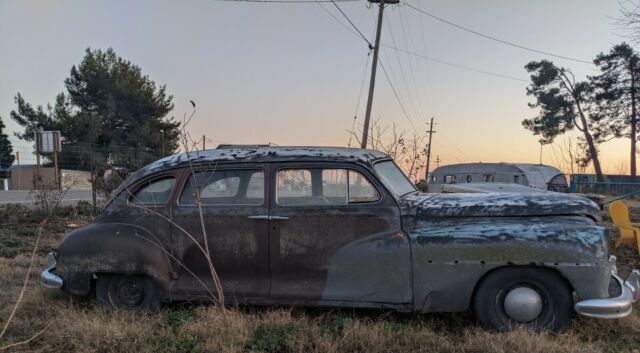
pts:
[78, 326]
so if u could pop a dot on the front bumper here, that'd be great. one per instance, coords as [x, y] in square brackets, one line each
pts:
[617, 307]
[48, 279]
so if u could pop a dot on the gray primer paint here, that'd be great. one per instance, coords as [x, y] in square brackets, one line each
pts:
[458, 238]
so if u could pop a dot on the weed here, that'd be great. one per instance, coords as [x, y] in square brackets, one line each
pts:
[334, 326]
[175, 319]
[271, 338]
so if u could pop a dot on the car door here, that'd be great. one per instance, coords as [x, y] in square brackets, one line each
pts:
[335, 236]
[234, 208]
[148, 207]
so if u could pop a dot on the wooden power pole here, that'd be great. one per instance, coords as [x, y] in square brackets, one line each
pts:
[374, 66]
[431, 132]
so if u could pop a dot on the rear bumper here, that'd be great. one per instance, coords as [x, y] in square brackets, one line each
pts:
[49, 279]
[616, 307]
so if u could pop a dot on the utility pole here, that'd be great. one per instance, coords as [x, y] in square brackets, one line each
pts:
[431, 132]
[438, 160]
[203, 146]
[374, 66]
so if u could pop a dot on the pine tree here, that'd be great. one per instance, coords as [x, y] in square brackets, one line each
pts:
[617, 90]
[563, 104]
[111, 105]
[6, 150]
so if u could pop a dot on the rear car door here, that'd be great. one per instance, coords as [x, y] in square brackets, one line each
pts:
[335, 237]
[235, 208]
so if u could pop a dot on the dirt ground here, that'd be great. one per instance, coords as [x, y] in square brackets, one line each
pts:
[81, 326]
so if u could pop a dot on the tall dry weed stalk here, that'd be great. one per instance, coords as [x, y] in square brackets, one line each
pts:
[25, 283]
[190, 149]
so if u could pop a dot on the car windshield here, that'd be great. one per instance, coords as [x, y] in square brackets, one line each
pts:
[393, 178]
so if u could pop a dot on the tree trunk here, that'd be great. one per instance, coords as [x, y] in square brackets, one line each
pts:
[593, 152]
[634, 122]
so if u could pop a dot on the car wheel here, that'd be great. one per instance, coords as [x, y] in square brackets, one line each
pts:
[523, 297]
[130, 292]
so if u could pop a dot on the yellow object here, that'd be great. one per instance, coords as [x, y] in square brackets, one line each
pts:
[628, 231]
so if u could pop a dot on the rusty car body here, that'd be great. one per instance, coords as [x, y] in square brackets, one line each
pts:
[339, 227]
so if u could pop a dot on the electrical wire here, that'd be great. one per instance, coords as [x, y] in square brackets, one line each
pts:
[352, 24]
[337, 19]
[395, 92]
[430, 91]
[452, 144]
[423, 112]
[494, 38]
[455, 65]
[402, 71]
[288, 1]
[440, 61]
[355, 114]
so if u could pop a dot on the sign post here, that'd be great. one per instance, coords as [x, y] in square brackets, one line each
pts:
[49, 142]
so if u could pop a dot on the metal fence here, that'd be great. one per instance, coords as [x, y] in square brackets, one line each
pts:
[87, 163]
[612, 185]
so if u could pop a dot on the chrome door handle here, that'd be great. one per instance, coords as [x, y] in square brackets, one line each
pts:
[277, 218]
[259, 217]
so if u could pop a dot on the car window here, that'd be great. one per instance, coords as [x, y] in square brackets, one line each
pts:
[334, 186]
[393, 178]
[360, 189]
[224, 187]
[297, 187]
[153, 192]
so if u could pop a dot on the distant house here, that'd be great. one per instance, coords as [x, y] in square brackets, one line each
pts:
[538, 176]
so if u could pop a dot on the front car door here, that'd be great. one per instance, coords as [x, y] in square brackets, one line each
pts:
[146, 204]
[335, 237]
[235, 209]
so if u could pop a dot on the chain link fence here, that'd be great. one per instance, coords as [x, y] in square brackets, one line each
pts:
[79, 166]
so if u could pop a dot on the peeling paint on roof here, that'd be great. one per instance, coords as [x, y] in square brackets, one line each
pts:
[259, 154]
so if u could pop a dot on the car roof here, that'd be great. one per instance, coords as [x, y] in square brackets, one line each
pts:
[259, 154]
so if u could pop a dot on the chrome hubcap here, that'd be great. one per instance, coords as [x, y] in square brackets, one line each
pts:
[523, 304]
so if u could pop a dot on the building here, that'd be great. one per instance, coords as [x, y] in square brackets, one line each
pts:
[538, 176]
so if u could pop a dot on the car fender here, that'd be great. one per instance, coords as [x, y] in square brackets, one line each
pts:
[451, 256]
[112, 248]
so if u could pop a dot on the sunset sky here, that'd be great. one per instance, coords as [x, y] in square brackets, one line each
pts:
[291, 73]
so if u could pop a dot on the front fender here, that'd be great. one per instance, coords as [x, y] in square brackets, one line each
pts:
[111, 248]
[450, 255]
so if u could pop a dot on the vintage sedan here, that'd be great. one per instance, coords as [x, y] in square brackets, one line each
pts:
[338, 227]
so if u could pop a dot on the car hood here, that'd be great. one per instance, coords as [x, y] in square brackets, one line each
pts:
[499, 205]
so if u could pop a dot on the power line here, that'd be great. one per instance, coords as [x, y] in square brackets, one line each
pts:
[288, 1]
[402, 72]
[440, 61]
[454, 65]
[355, 114]
[413, 75]
[454, 145]
[352, 24]
[494, 38]
[337, 19]
[429, 86]
[398, 97]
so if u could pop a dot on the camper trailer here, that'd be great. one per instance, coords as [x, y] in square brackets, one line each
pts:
[537, 176]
